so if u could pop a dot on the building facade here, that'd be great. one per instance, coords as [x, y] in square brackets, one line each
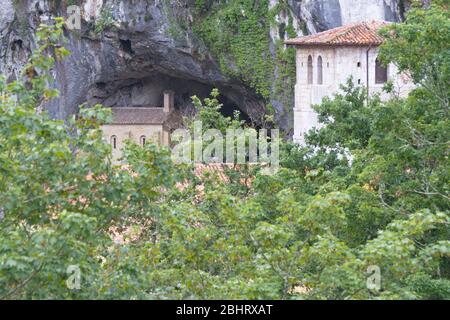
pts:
[326, 60]
[141, 125]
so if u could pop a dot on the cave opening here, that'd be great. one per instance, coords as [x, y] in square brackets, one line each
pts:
[148, 92]
[184, 102]
[17, 45]
[228, 109]
[125, 45]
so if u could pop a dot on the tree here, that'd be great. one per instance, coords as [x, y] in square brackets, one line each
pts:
[420, 47]
[59, 191]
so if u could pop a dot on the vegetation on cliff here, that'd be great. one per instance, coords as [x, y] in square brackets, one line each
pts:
[238, 34]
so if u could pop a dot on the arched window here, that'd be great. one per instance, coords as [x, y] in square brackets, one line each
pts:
[380, 72]
[114, 142]
[319, 70]
[143, 140]
[310, 70]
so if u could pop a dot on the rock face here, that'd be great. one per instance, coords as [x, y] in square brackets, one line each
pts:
[321, 15]
[132, 52]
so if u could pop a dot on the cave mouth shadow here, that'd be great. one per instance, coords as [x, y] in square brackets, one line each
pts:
[228, 109]
[148, 92]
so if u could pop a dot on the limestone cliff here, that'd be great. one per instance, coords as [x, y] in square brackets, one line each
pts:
[127, 52]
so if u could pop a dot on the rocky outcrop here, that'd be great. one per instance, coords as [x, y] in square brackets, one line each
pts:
[135, 50]
[320, 15]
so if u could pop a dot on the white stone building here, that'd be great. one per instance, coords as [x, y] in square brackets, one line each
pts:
[327, 59]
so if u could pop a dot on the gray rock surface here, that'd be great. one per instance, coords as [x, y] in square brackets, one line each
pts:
[326, 14]
[139, 55]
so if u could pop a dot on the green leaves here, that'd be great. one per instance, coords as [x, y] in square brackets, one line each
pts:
[370, 192]
[209, 113]
[420, 46]
[325, 214]
[348, 119]
[238, 34]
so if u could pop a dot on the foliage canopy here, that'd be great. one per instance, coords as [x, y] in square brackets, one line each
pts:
[369, 189]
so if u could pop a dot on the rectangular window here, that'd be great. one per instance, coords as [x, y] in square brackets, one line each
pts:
[380, 73]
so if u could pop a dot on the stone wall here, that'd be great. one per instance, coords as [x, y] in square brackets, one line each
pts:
[134, 132]
[339, 63]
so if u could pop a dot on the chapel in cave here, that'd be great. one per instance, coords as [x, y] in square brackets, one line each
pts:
[142, 124]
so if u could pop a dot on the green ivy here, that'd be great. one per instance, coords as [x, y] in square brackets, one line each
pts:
[285, 59]
[105, 21]
[237, 32]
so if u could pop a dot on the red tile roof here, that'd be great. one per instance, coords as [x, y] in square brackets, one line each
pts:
[138, 115]
[356, 34]
[201, 169]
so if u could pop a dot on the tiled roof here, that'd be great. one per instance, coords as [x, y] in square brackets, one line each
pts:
[356, 34]
[139, 115]
[218, 169]
[246, 171]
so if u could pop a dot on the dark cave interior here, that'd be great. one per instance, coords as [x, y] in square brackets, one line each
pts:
[148, 92]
